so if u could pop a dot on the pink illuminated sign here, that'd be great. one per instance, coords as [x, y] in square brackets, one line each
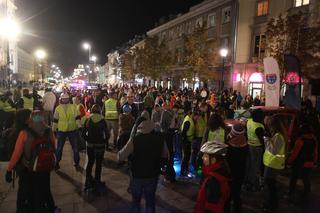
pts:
[256, 77]
[292, 78]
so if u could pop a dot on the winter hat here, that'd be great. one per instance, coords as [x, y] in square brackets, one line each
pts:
[237, 129]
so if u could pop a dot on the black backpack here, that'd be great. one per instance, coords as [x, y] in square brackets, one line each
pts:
[6, 146]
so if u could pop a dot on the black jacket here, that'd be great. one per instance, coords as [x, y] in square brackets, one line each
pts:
[147, 155]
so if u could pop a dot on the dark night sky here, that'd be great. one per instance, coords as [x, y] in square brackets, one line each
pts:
[60, 26]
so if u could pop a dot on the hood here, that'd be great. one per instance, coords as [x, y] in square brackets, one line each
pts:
[145, 127]
[95, 117]
[145, 114]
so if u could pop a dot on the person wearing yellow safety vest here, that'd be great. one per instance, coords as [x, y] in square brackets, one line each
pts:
[255, 133]
[111, 110]
[188, 134]
[215, 130]
[200, 127]
[26, 101]
[66, 121]
[9, 110]
[274, 161]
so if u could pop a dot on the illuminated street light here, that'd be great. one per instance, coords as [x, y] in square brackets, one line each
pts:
[53, 66]
[223, 54]
[94, 58]
[9, 29]
[87, 46]
[40, 54]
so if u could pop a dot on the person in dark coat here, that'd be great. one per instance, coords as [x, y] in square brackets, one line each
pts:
[148, 151]
[238, 151]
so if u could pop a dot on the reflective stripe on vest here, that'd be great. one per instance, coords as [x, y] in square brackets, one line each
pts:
[111, 112]
[217, 135]
[253, 139]
[200, 127]
[67, 119]
[190, 132]
[7, 107]
[27, 103]
[275, 161]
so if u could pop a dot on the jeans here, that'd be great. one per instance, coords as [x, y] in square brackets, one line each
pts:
[303, 173]
[186, 147]
[235, 196]
[254, 163]
[94, 156]
[146, 187]
[170, 172]
[114, 125]
[43, 199]
[73, 137]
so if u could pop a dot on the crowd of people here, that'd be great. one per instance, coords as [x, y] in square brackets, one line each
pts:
[151, 129]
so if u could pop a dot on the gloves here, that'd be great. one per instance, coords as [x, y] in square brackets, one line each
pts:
[8, 177]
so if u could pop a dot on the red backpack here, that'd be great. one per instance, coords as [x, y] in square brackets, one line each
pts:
[43, 157]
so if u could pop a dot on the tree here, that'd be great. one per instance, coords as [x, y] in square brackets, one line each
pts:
[128, 72]
[292, 34]
[199, 53]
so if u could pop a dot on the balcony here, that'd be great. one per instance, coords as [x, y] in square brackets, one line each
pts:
[260, 19]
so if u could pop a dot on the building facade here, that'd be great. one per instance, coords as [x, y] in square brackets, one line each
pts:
[26, 67]
[218, 17]
[8, 48]
[248, 76]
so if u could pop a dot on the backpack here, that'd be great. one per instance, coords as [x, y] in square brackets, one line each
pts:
[42, 151]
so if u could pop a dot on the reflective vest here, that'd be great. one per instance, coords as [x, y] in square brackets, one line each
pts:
[190, 132]
[1, 105]
[67, 119]
[200, 127]
[253, 139]
[111, 111]
[27, 103]
[7, 107]
[275, 161]
[217, 135]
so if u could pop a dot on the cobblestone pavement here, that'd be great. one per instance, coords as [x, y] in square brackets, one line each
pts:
[67, 189]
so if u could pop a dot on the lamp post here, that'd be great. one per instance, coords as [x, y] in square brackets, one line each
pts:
[93, 59]
[87, 46]
[223, 54]
[40, 55]
[9, 30]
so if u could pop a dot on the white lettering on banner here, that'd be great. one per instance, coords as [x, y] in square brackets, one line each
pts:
[272, 81]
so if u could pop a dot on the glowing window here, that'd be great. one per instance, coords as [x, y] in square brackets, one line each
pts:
[262, 8]
[256, 77]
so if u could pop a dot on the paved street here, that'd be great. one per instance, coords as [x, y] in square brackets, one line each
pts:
[67, 188]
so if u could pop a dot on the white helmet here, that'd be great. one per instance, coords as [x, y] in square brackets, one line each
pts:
[64, 96]
[214, 147]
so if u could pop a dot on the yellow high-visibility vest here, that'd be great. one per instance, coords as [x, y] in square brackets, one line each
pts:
[190, 132]
[28, 103]
[253, 139]
[217, 135]
[111, 111]
[7, 107]
[67, 119]
[1, 105]
[200, 127]
[275, 161]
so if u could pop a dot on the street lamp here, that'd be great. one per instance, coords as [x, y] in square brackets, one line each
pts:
[87, 46]
[93, 58]
[40, 55]
[223, 54]
[9, 30]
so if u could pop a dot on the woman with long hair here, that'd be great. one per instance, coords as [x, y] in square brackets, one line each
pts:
[274, 161]
[215, 129]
